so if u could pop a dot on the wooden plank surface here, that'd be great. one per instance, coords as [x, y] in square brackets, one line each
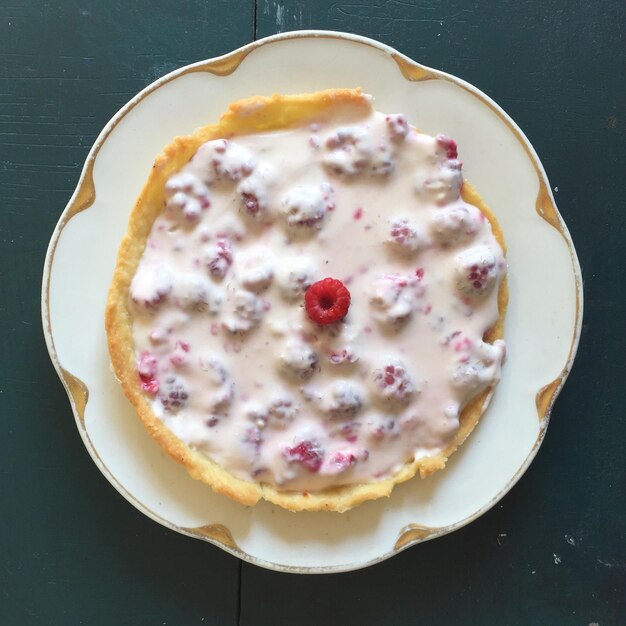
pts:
[73, 551]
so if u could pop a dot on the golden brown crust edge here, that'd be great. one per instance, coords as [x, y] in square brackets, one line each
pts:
[254, 115]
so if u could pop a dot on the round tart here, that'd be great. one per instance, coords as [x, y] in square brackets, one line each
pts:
[308, 304]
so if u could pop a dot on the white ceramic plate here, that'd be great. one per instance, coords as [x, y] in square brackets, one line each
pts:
[542, 326]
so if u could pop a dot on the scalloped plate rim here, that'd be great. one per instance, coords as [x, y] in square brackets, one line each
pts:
[68, 213]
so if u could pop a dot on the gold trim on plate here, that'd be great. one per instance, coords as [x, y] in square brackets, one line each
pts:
[86, 195]
[217, 532]
[411, 70]
[546, 208]
[224, 66]
[413, 533]
[78, 391]
[546, 396]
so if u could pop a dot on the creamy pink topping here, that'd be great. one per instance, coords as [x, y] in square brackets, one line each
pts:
[225, 349]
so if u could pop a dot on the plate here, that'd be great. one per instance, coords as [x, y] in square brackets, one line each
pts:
[542, 327]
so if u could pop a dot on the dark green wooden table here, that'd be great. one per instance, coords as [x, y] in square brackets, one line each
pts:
[74, 552]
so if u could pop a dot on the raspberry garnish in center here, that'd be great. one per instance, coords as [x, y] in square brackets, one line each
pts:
[327, 301]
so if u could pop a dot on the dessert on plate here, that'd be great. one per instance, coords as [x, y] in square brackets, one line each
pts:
[308, 304]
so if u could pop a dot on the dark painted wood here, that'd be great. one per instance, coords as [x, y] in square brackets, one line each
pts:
[73, 551]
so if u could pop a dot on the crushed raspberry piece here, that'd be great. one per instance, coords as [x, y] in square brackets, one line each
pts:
[179, 355]
[383, 162]
[383, 428]
[217, 373]
[246, 313]
[405, 236]
[254, 192]
[394, 383]
[476, 271]
[147, 370]
[298, 360]
[253, 437]
[346, 399]
[304, 207]
[256, 268]
[230, 160]
[212, 421]
[151, 285]
[221, 398]
[219, 258]
[232, 229]
[455, 223]
[186, 196]
[281, 411]
[195, 292]
[461, 343]
[393, 298]
[308, 453]
[327, 301]
[220, 387]
[174, 394]
[481, 366]
[257, 414]
[157, 337]
[449, 145]
[251, 202]
[342, 460]
[177, 359]
[350, 431]
[397, 126]
[343, 356]
[294, 276]
[442, 185]
[351, 150]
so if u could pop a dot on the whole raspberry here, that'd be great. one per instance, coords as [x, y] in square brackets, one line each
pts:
[327, 301]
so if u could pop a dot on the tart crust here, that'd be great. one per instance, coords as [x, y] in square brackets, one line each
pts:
[251, 115]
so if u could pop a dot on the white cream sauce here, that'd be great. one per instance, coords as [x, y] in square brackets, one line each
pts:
[225, 349]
